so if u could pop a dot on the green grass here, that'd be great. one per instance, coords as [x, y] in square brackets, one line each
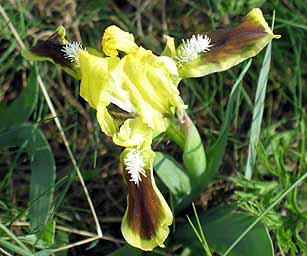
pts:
[281, 154]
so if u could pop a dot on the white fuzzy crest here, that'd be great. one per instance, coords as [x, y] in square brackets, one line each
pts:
[71, 51]
[192, 47]
[134, 164]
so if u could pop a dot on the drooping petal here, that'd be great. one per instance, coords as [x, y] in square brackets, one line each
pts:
[115, 39]
[231, 46]
[148, 217]
[53, 49]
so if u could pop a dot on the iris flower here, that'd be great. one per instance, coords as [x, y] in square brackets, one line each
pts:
[135, 93]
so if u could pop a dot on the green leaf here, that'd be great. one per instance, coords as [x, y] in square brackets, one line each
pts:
[49, 233]
[222, 226]
[41, 241]
[21, 108]
[127, 250]
[258, 112]
[172, 175]
[42, 169]
[216, 152]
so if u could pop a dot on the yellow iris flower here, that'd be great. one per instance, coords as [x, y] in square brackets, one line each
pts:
[136, 96]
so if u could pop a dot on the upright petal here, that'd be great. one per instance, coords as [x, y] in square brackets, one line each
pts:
[94, 78]
[150, 82]
[148, 217]
[230, 46]
[115, 39]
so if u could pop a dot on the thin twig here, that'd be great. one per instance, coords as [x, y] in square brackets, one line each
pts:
[88, 240]
[58, 124]
[12, 28]
[4, 252]
[85, 241]
[74, 231]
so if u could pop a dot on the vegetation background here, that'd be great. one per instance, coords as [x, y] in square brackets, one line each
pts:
[281, 155]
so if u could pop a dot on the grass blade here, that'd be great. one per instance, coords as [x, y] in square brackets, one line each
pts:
[11, 246]
[258, 110]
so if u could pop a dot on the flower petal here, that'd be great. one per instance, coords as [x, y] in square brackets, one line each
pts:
[51, 50]
[133, 133]
[148, 217]
[151, 86]
[231, 46]
[107, 123]
[94, 78]
[115, 39]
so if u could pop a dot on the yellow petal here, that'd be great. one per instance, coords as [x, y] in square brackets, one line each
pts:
[95, 78]
[151, 86]
[133, 133]
[115, 39]
[107, 123]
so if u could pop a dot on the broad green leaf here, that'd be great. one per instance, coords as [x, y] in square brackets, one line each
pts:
[21, 108]
[216, 152]
[127, 250]
[222, 226]
[258, 112]
[42, 169]
[172, 175]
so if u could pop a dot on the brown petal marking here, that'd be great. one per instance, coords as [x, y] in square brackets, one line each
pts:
[144, 208]
[51, 47]
[229, 41]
